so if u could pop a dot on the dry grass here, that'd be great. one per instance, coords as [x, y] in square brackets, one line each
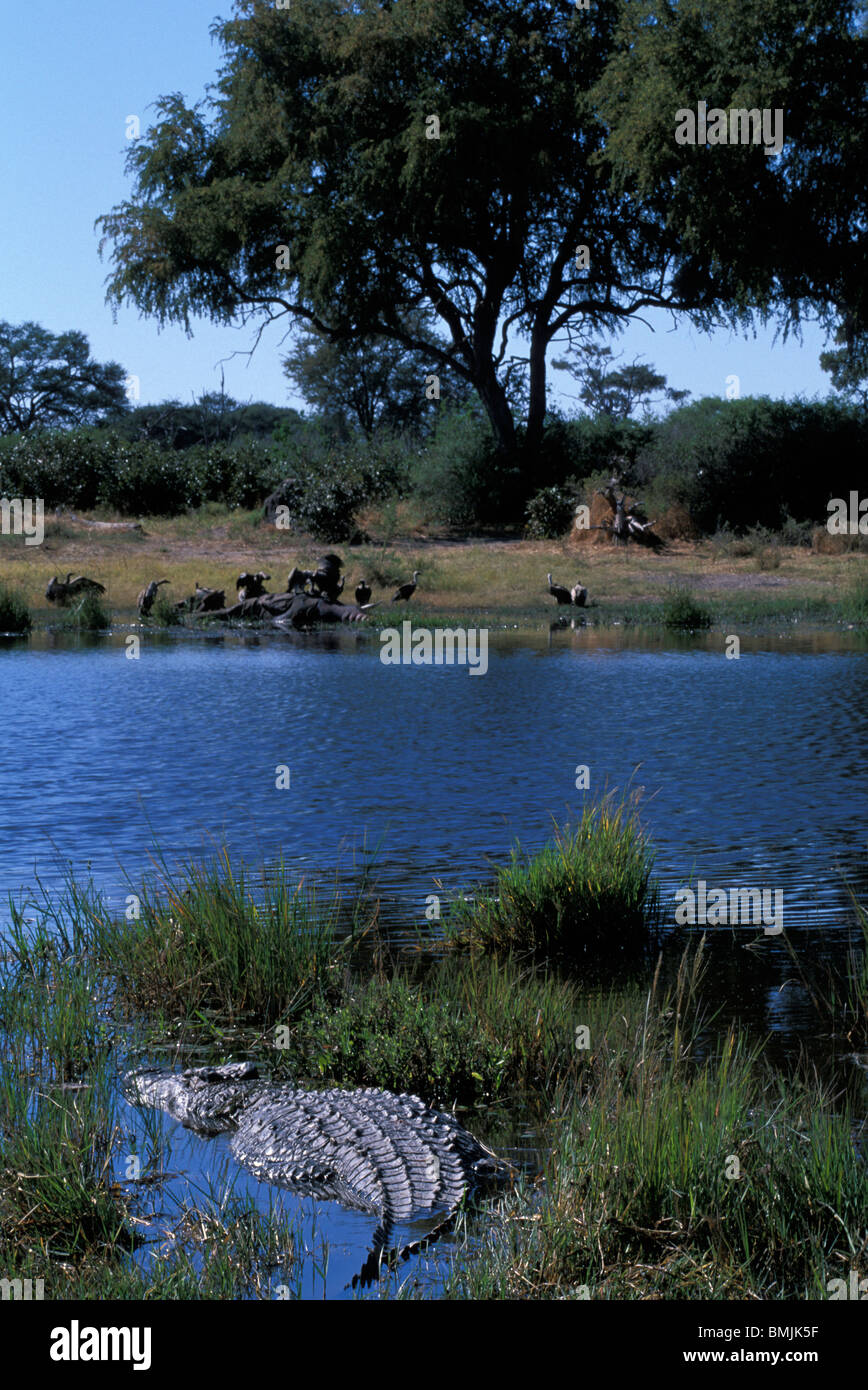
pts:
[504, 579]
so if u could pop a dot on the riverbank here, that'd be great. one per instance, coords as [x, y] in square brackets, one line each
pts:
[676, 1157]
[492, 581]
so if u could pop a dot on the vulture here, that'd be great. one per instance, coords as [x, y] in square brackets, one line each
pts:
[59, 590]
[363, 593]
[145, 601]
[251, 585]
[405, 592]
[326, 581]
[558, 592]
[298, 580]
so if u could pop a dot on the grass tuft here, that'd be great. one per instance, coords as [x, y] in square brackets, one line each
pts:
[587, 897]
[14, 611]
[681, 612]
[89, 615]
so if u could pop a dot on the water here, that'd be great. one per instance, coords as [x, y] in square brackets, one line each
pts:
[754, 770]
[754, 774]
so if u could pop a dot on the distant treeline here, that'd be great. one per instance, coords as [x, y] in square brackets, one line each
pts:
[734, 464]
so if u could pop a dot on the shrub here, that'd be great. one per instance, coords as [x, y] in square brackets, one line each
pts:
[755, 460]
[769, 558]
[682, 612]
[163, 612]
[549, 513]
[14, 611]
[449, 474]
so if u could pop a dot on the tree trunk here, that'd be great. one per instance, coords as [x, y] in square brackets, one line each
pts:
[494, 399]
[537, 406]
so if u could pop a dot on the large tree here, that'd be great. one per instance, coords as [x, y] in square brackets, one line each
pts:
[50, 381]
[607, 389]
[358, 161]
[365, 383]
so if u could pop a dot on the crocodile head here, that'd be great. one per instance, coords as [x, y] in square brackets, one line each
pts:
[207, 1099]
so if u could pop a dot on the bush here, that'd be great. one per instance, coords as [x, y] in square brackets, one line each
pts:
[449, 476]
[589, 444]
[755, 461]
[682, 612]
[82, 469]
[163, 611]
[14, 611]
[549, 513]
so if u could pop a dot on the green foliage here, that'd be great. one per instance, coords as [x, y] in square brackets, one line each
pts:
[307, 183]
[848, 367]
[549, 513]
[643, 1199]
[855, 601]
[213, 418]
[90, 614]
[586, 898]
[587, 446]
[49, 380]
[210, 936]
[451, 477]
[14, 611]
[755, 460]
[372, 383]
[82, 469]
[752, 230]
[462, 1032]
[681, 612]
[163, 612]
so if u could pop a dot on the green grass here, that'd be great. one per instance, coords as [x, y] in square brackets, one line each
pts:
[681, 611]
[212, 937]
[587, 897]
[163, 612]
[680, 1174]
[461, 1032]
[679, 1163]
[90, 614]
[854, 600]
[14, 611]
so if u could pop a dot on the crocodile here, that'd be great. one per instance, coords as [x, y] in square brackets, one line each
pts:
[369, 1149]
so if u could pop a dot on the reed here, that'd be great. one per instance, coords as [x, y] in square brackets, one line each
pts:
[14, 611]
[585, 898]
[685, 1169]
[212, 936]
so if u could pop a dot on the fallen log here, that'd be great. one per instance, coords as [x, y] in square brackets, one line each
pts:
[100, 525]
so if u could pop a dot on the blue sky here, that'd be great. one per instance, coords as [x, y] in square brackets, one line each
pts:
[72, 75]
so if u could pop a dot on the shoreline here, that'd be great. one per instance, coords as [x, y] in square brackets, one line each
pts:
[495, 581]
